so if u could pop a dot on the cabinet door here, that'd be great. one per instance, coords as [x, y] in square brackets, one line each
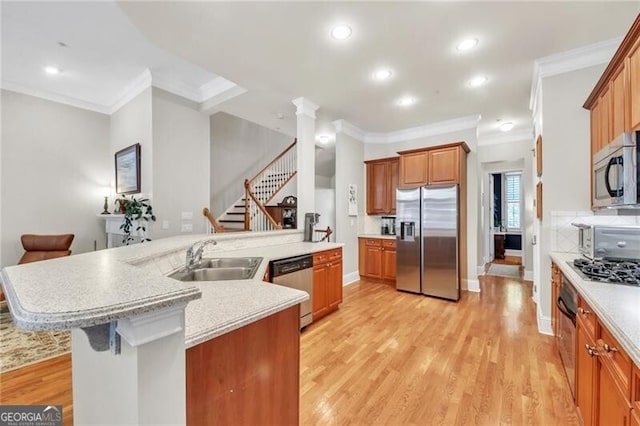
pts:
[585, 376]
[444, 166]
[413, 169]
[618, 102]
[605, 119]
[634, 87]
[334, 284]
[595, 128]
[320, 301]
[635, 418]
[613, 408]
[377, 202]
[393, 175]
[388, 264]
[373, 261]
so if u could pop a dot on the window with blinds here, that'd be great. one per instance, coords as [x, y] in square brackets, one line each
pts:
[512, 200]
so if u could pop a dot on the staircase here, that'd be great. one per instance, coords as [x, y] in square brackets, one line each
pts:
[248, 213]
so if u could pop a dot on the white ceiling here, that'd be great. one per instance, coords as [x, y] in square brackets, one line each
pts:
[280, 51]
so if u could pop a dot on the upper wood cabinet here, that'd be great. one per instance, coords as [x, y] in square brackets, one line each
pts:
[432, 166]
[382, 182]
[615, 101]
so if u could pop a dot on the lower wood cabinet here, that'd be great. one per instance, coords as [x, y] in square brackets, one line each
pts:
[327, 282]
[586, 378]
[377, 259]
[613, 407]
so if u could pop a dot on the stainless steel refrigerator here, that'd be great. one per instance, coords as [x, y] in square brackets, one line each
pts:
[427, 221]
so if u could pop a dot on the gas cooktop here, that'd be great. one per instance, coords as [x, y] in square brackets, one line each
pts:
[616, 271]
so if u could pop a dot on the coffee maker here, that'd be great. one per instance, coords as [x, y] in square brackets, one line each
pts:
[388, 225]
[310, 220]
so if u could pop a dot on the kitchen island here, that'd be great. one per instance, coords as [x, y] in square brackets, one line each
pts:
[125, 292]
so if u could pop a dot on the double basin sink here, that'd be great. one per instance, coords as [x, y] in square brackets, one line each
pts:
[219, 269]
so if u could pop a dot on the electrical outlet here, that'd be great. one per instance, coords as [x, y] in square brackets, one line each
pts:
[187, 215]
[187, 227]
[165, 224]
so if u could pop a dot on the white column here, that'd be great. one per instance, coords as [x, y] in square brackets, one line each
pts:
[144, 384]
[306, 157]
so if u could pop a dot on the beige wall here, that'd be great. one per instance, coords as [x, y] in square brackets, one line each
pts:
[180, 164]
[566, 162]
[56, 162]
[349, 169]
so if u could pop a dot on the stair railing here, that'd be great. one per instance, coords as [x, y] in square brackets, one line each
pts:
[261, 189]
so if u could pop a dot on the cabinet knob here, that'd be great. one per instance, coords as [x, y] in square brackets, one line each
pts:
[583, 311]
[609, 348]
[591, 350]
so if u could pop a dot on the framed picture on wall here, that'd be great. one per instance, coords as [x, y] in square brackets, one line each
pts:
[128, 170]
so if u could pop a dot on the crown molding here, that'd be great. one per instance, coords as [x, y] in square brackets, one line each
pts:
[131, 90]
[305, 107]
[210, 106]
[216, 87]
[431, 129]
[55, 97]
[571, 60]
[506, 137]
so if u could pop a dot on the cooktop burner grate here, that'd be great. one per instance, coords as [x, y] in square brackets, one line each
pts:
[617, 271]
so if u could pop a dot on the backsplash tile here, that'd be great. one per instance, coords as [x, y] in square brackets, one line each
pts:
[564, 236]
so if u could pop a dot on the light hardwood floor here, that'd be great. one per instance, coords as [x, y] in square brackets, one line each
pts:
[394, 358]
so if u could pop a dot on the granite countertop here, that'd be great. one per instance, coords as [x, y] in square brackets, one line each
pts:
[384, 237]
[130, 281]
[616, 305]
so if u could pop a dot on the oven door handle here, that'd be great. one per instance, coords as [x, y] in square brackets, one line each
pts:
[563, 308]
[607, 184]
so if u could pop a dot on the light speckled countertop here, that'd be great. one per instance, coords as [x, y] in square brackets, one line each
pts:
[98, 287]
[384, 237]
[617, 306]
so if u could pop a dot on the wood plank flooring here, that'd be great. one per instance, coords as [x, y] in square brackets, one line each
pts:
[388, 357]
[395, 358]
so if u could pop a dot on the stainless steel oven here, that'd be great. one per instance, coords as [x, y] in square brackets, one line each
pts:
[616, 173]
[567, 303]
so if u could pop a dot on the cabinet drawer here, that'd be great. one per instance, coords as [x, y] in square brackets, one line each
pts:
[635, 389]
[375, 242]
[335, 254]
[327, 256]
[618, 360]
[587, 317]
[391, 244]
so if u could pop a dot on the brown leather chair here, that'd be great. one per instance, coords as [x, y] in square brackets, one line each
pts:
[43, 247]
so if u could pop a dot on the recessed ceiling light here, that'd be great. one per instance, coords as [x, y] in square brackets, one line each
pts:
[406, 101]
[49, 69]
[478, 81]
[467, 44]
[323, 138]
[505, 127]
[341, 32]
[381, 75]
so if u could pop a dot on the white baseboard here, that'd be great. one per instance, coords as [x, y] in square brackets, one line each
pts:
[509, 252]
[528, 275]
[473, 285]
[544, 324]
[350, 278]
[480, 270]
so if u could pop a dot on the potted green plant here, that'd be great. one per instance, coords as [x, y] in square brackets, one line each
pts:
[138, 213]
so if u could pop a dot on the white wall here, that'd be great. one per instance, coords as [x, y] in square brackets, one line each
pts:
[349, 169]
[131, 124]
[565, 163]
[474, 226]
[180, 163]
[56, 162]
[510, 156]
[239, 150]
[325, 204]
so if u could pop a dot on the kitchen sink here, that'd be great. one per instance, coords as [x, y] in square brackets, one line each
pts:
[220, 269]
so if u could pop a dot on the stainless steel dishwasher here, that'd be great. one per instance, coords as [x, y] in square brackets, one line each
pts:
[296, 272]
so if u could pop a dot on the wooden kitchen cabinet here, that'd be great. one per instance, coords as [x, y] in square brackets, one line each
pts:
[618, 118]
[433, 166]
[586, 369]
[613, 407]
[327, 282]
[556, 281]
[378, 259]
[382, 182]
[633, 90]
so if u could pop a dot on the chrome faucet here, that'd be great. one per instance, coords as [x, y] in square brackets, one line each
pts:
[194, 253]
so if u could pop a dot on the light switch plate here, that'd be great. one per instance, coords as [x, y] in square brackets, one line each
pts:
[187, 215]
[165, 224]
[187, 227]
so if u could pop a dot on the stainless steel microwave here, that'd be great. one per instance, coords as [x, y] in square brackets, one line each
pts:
[616, 173]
